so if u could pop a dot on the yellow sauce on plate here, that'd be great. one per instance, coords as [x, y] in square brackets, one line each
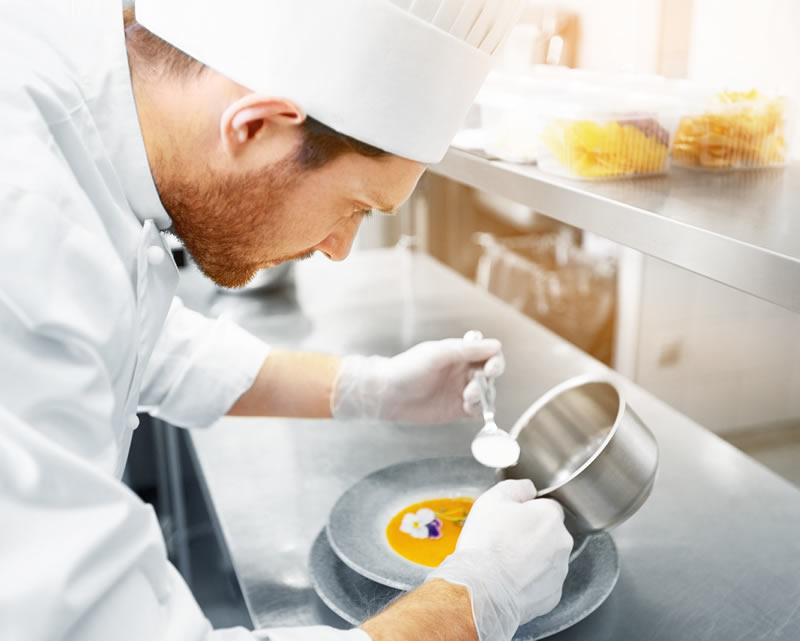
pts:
[426, 532]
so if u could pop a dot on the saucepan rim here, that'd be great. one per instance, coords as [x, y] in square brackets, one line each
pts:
[556, 391]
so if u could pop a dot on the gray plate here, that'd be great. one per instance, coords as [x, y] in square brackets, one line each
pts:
[357, 524]
[591, 579]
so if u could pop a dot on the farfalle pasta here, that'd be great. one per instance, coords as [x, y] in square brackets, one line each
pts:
[594, 149]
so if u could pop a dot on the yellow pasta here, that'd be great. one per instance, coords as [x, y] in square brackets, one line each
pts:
[752, 135]
[590, 149]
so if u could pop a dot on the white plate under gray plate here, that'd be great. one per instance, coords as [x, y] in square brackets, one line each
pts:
[592, 577]
[357, 524]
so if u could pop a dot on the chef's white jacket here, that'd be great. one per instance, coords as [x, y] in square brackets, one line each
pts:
[89, 334]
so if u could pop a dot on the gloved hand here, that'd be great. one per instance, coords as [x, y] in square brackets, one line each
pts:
[429, 383]
[512, 556]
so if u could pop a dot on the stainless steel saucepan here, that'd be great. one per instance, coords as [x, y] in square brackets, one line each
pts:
[582, 445]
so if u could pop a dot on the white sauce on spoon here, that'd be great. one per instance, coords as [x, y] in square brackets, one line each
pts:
[497, 450]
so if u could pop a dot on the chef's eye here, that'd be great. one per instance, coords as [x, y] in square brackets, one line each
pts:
[364, 213]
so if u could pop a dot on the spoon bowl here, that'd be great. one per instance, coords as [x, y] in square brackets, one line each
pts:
[492, 446]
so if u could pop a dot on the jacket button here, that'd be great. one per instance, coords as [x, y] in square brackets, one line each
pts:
[155, 255]
[133, 422]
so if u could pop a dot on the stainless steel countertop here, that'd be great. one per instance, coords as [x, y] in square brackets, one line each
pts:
[741, 228]
[713, 555]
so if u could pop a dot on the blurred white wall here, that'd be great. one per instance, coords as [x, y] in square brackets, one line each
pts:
[751, 42]
[676, 18]
[747, 43]
[724, 42]
[617, 35]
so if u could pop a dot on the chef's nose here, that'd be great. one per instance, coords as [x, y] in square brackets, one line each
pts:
[339, 242]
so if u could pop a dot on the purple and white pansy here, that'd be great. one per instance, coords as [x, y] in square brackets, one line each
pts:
[422, 525]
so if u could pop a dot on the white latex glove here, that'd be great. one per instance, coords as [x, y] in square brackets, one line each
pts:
[512, 556]
[429, 383]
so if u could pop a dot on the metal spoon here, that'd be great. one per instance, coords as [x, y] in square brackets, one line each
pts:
[491, 446]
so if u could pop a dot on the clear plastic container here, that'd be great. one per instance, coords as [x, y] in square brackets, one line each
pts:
[510, 110]
[733, 130]
[512, 129]
[607, 133]
[602, 146]
[593, 126]
[583, 125]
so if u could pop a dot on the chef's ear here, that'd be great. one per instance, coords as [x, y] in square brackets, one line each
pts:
[254, 113]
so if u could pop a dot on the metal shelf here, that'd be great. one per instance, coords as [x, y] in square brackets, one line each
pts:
[740, 228]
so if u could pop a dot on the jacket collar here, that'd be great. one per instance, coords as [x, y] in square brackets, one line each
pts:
[111, 100]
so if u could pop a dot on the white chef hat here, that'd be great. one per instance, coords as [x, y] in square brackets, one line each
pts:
[397, 74]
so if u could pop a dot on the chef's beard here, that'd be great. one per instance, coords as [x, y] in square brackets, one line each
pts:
[228, 223]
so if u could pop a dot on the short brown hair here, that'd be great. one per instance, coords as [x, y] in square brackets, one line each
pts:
[321, 144]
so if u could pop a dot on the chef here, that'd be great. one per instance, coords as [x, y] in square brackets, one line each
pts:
[256, 131]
